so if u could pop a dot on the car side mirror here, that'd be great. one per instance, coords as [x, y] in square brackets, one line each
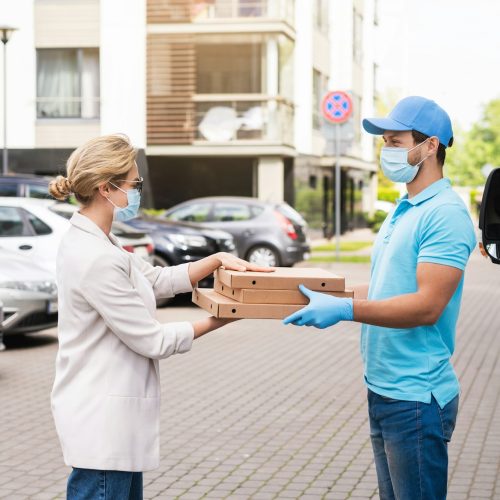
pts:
[489, 216]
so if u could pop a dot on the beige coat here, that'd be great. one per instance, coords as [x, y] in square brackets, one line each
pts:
[106, 394]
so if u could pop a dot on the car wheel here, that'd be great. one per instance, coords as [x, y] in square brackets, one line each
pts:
[160, 261]
[263, 255]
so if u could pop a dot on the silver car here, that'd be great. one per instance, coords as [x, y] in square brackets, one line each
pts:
[265, 233]
[28, 293]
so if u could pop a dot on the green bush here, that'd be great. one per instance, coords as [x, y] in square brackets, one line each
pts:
[376, 221]
[387, 194]
[309, 203]
[154, 212]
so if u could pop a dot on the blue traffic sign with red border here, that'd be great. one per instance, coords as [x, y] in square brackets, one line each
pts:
[336, 106]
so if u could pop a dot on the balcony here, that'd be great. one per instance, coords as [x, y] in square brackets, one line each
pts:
[242, 119]
[206, 11]
[244, 10]
[84, 108]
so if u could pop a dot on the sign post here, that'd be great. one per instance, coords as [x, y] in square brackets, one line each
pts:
[336, 107]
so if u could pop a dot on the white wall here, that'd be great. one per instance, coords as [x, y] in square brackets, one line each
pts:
[369, 56]
[21, 76]
[270, 179]
[341, 64]
[303, 76]
[123, 69]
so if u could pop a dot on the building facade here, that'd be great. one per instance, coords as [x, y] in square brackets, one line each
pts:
[221, 97]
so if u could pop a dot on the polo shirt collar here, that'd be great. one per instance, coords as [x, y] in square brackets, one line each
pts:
[428, 193]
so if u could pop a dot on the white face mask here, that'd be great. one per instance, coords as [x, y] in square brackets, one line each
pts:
[394, 163]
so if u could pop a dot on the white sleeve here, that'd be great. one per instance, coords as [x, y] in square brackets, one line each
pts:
[166, 281]
[107, 287]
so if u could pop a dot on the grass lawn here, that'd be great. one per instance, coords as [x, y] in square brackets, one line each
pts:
[345, 246]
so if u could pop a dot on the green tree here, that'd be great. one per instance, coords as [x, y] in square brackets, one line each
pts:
[473, 149]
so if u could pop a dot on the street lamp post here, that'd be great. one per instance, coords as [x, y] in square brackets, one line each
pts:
[6, 32]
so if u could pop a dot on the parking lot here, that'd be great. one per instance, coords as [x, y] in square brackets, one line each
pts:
[260, 410]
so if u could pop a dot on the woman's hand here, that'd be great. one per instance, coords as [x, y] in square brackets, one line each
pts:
[230, 261]
[204, 267]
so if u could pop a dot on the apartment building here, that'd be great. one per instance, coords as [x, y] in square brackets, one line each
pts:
[220, 96]
[335, 50]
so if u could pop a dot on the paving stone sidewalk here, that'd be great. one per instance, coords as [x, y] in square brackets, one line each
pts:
[263, 411]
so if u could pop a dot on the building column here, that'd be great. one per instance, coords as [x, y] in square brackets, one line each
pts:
[271, 179]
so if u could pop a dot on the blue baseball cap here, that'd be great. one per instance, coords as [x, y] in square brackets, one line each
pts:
[414, 113]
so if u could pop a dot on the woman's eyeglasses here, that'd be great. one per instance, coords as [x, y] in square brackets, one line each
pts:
[138, 183]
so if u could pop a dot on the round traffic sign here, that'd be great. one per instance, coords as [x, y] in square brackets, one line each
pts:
[336, 106]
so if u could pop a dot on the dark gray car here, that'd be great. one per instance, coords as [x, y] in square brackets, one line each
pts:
[271, 234]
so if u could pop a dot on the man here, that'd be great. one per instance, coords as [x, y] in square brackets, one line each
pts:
[410, 308]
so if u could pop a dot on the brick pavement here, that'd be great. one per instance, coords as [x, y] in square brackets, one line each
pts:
[259, 410]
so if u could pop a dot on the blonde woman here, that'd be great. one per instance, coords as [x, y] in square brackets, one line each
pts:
[106, 394]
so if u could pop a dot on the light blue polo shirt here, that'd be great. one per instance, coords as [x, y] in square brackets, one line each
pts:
[413, 364]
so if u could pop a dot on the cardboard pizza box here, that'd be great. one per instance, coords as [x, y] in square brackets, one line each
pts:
[221, 306]
[252, 296]
[282, 278]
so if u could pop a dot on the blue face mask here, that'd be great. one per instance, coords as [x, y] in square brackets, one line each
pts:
[394, 163]
[132, 208]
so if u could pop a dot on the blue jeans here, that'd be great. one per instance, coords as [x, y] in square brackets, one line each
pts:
[90, 484]
[410, 444]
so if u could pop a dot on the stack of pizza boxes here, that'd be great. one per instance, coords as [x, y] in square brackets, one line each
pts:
[258, 295]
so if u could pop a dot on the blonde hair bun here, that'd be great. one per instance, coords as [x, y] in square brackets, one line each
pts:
[103, 159]
[60, 188]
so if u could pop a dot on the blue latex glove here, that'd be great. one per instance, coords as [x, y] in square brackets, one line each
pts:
[322, 311]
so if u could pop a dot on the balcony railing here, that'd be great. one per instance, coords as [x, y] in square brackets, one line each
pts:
[243, 118]
[232, 9]
[68, 107]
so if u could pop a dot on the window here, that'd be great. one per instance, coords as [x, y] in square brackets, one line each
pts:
[67, 214]
[228, 68]
[37, 191]
[38, 225]
[319, 89]
[68, 83]
[191, 213]
[291, 214]
[8, 189]
[321, 15]
[11, 223]
[230, 212]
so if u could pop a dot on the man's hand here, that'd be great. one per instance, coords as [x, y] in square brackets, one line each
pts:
[322, 311]
[229, 261]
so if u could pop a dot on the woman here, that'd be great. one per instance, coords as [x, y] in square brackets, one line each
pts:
[106, 394]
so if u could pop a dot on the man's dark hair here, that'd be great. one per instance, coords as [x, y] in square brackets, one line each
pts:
[441, 152]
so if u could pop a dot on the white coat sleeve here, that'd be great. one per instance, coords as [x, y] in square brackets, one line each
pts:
[166, 281]
[107, 287]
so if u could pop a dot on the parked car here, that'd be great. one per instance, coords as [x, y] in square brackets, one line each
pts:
[28, 293]
[2, 345]
[268, 234]
[24, 186]
[35, 227]
[177, 243]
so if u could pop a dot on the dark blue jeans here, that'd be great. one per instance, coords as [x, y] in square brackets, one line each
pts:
[90, 484]
[410, 444]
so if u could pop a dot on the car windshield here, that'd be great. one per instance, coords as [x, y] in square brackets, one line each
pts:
[197, 212]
